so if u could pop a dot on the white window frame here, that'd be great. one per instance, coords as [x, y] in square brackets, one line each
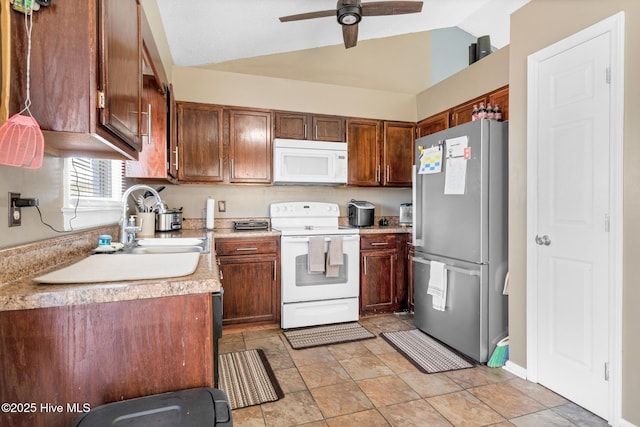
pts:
[92, 212]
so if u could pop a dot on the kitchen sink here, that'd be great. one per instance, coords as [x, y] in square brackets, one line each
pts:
[170, 245]
[164, 249]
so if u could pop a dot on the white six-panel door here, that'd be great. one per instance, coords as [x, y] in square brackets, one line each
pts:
[570, 223]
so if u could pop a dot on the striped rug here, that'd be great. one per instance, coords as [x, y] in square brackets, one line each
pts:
[247, 378]
[424, 352]
[325, 335]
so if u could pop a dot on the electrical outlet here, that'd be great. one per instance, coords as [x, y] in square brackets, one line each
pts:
[222, 206]
[15, 212]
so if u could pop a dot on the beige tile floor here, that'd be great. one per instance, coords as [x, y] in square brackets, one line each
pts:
[368, 383]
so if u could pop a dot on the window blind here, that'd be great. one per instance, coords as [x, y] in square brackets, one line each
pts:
[95, 179]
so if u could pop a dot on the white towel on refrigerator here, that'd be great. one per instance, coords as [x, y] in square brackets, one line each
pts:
[438, 285]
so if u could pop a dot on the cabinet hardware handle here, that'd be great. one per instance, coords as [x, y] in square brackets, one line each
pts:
[246, 249]
[364, 265]
[221, 275]
[220, 165]
[176, 153]
[305, 131]
[387, 178]
[275, 270]
[316, 132]
[379, 243]
[378, 173]
[148, 114]
[231, 175]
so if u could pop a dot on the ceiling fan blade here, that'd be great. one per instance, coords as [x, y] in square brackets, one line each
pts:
[391, 8]
[309, 15]
[350, 35]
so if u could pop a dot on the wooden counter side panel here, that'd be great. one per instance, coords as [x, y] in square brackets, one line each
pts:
[100, 353]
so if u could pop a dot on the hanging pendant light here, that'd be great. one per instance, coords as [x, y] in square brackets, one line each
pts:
[21, 140]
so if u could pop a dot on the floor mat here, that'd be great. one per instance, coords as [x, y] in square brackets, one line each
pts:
[326, 335]
[424, 352]
[247, 378]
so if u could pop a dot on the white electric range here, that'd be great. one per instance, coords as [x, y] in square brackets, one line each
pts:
[312, 297]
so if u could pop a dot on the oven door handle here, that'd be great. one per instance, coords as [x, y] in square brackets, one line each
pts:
[301, 239]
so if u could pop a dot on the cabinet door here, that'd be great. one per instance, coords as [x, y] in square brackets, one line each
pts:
[378, 281]
[363, 139]
[122, 69]
[433, 124]
[328, 128]
[200, 144]
[152, 160]
[250, 147]
[398, 153]
[250, 288]
[291, 125]
[463, 113]
[501, 98]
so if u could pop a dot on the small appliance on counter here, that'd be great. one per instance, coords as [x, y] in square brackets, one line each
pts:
[250, 225]
[361, 213]
[170, 220]
[406, 214]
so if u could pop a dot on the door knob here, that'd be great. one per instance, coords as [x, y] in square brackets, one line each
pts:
[544, 240]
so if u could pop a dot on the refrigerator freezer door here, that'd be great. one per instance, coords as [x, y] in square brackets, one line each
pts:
[463, 323]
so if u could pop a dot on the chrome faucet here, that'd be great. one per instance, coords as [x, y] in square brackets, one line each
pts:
[129, 229]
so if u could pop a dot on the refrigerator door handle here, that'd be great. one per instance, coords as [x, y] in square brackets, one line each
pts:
[450, 268]
[414, 199]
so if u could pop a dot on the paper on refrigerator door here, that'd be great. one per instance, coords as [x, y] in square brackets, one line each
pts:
[456, 170]
[430, 160]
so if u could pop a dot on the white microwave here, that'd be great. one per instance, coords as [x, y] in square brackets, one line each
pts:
[309, 162]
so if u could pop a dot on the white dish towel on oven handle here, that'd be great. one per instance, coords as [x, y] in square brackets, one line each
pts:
[438, 285]
[334, 257]
[316, 255]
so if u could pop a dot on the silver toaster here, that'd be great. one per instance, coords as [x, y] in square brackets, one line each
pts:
[406, 214]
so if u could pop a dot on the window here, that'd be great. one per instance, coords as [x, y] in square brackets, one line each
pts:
[93, 192]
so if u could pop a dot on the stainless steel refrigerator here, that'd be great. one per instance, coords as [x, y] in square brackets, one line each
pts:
[460, 221]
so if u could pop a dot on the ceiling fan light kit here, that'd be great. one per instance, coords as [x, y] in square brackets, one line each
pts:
[350, 12]
[349, 15]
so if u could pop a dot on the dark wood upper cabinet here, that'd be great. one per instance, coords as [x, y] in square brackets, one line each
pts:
[250, 146]
[121, 72]
[463, 113]
[380, 153]
[433, 124]
[85, 54]
[292, 125]
[363, 142]
[200, 142]
[500, 97]
[397, 151]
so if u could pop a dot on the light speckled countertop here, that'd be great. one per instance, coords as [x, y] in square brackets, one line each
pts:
[19, 265]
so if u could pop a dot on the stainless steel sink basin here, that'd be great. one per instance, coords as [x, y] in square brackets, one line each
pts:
[167, 246]
[164, 249]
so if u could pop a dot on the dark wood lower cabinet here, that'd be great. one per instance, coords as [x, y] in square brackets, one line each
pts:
[58, 361]
[250, 276]
[382, 273]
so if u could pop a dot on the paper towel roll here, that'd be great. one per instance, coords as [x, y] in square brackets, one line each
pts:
[209, 214]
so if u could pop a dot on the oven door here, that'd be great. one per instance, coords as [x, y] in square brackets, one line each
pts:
[300, 285]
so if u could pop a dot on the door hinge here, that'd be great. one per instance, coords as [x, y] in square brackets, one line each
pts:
[607, 223]
[606, 371]
[101, 99]
[608, 75]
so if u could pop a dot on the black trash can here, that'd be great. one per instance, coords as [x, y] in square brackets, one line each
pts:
[194, 407]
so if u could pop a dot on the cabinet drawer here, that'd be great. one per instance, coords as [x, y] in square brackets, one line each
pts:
[377, 241]
[245, 246]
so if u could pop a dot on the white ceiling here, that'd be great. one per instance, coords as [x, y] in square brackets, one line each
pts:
[211, 32]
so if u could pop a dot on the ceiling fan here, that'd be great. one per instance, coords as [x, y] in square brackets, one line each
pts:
[350, 12]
